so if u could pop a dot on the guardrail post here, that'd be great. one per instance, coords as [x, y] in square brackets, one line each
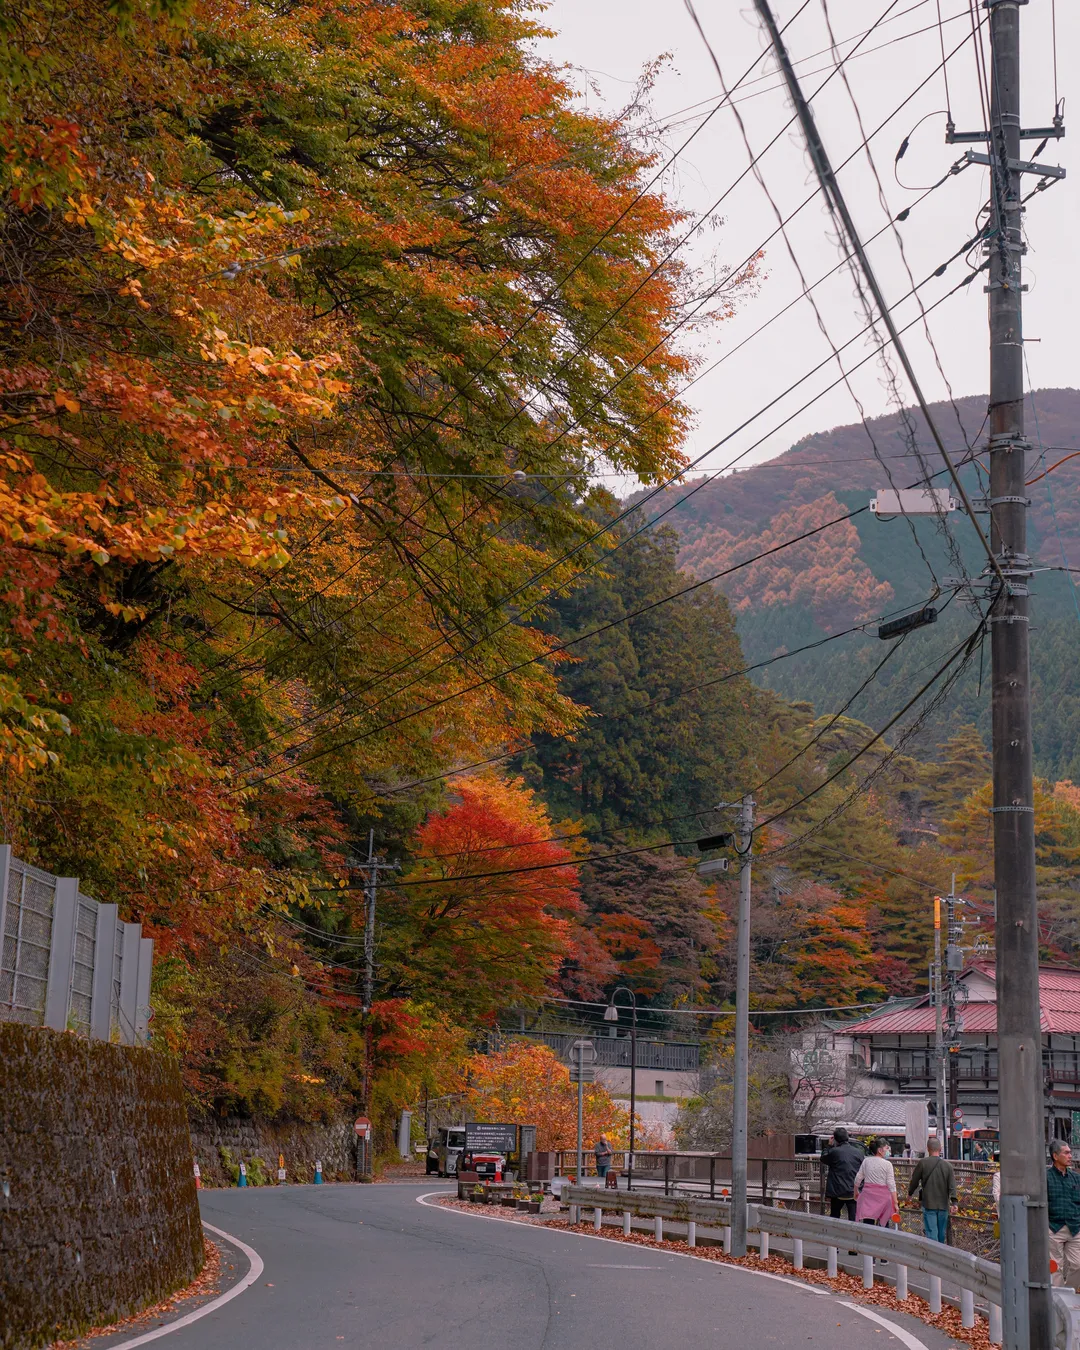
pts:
[763, 1246]
[597, 1217]
[901, 1281]
[832, 1255]
[626, 1223]
[691, 1233]
[658, 1228]
[868, 1273]
[573, 1215]
[727, 1240]
[712, 1178]
[935, 1293]
[667, 1173]
[796, 1253]
[995, 1323]
[967, 1308]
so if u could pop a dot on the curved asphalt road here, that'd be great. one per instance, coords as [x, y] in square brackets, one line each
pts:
[368, 1268]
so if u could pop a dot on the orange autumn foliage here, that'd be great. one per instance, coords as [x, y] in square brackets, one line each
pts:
[528, 1085]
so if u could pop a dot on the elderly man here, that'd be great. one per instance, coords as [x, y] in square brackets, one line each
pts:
[1063, 1198]
[934, 1181]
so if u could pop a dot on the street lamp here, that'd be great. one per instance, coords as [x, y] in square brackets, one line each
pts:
[611, 1014]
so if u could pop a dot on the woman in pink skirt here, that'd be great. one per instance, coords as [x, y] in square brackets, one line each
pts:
[875, 1186]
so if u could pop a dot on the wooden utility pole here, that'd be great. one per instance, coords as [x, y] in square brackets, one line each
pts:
[741, 1084]
[1025, 1255]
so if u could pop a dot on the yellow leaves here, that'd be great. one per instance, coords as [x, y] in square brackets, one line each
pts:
[129, 613]
[67, 401]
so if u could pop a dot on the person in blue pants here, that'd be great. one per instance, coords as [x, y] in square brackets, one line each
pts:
[934, 1182]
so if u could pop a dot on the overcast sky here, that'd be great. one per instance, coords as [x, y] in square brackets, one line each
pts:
[609, 42]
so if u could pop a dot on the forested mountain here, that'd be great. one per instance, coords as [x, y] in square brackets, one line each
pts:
[864, 566]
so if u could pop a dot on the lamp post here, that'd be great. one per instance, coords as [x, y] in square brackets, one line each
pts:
[611, 1014]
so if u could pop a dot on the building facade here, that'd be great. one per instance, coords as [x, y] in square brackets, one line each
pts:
[895, 1050]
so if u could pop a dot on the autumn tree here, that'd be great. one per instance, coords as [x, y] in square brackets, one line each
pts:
[527, 1084]
[672, 721]
[292, 298]
[656, 920]
[486, 915]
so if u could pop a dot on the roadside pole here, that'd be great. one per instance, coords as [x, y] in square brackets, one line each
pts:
[582, 1059]
[740, 1092]
[1025, 1229]
[939, 1035]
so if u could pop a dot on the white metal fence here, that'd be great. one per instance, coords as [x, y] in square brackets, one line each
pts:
[975, 1279]
[68, 962]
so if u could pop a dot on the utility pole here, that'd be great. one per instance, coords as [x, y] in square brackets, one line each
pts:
[740, 1092]
[954, 960]
[1025, 1257]
[372, 867]
[1025, 1230]
[939, 1035]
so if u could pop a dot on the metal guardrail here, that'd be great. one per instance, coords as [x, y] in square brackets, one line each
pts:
[975, 1277]
[68, 962]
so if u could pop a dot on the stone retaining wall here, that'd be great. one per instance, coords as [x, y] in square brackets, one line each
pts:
[220, 1144]
[98, 1211]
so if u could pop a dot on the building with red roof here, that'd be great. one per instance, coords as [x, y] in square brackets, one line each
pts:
[896, 1047]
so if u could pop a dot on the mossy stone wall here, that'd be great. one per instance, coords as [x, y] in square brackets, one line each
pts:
[99, 1215]
[220, 1143]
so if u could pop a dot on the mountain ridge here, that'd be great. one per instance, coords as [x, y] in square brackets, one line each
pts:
[862, 567]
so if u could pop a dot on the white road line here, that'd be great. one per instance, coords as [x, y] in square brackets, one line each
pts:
[255, 1270]
[912, 1342]
[903, 1336]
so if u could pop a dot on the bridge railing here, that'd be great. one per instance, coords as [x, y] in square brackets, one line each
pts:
[975, 1277]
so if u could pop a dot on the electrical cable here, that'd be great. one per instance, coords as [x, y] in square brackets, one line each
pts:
[677, 843]
[664, 698]
[956, 168]
[818, 316]
[557, 287]
[554, 650]
[952, 547]
[838, 207]
[686, 318]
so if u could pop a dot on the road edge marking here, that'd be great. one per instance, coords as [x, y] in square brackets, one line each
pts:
[255, 1269]
[904, 1336]
[901, 1334]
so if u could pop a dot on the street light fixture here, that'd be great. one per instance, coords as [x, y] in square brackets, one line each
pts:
[611, 1014]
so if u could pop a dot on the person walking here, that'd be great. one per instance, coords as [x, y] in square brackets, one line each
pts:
[842, 1160]
[934, 1182]
[875, 1186]
[1063, 1201]
[604, 1154]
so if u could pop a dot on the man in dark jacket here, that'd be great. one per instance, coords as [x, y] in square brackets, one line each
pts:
[841, 1160]
[936, 1180]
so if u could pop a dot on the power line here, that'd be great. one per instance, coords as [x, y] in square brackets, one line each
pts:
[559, 647]
[686, 318]
[837, 204]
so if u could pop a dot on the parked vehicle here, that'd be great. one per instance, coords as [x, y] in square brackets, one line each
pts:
[444, 1150]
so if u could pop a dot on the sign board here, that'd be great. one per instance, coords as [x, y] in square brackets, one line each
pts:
[583, 1052]
[362, 1127]
[585, 1074]
[485, 1137]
